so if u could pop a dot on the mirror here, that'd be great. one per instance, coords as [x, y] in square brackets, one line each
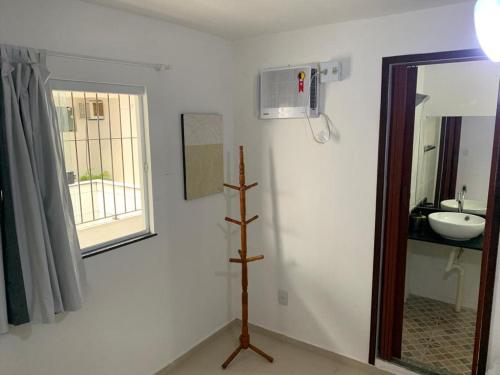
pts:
[454, 126]
[453, 136]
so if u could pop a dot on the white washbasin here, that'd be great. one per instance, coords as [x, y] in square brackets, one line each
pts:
[456, 226]
[470, 206]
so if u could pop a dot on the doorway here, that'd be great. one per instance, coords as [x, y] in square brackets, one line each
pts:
[437, 125]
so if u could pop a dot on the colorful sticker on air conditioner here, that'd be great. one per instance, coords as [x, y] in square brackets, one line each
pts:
[301, 76]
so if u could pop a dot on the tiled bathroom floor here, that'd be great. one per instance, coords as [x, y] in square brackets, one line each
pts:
[436, 338]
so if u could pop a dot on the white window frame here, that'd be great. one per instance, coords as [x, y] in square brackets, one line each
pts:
[146, 177]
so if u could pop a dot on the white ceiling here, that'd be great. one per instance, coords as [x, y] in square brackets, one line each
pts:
[237, 19]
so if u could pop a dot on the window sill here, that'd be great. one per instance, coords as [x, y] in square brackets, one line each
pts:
[116, 245]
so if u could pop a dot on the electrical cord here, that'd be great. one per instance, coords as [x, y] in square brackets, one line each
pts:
[322, 138]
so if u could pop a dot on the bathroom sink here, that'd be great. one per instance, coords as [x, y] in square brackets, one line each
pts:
[470, 206]
[456, 226]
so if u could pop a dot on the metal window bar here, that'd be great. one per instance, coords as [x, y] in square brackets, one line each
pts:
[111, 157]
[132, 149]
[89, 162]
[121, 138]
[123, 159]
[100, 151]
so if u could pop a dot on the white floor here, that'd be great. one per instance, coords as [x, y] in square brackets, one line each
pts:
[289, 359]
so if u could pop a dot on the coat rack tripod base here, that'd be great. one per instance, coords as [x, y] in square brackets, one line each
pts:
[249, 346]
[244, 260]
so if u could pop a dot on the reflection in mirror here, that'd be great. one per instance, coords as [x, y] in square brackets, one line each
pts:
[452, 147]
[454, 161]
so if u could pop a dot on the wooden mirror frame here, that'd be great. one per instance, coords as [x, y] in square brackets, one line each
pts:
[388, 262]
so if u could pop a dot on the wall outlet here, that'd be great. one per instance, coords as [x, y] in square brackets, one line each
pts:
[283, 297]
[330, 71]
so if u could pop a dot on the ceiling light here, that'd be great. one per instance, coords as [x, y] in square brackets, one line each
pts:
[487, 21]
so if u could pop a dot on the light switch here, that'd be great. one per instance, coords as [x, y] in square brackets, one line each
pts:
[283, 297]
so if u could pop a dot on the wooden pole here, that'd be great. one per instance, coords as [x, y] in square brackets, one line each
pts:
[244, 260]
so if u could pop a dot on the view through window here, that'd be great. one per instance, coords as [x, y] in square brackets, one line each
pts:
[104, 155]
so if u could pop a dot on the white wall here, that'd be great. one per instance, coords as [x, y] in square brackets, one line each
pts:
[151, 301]
[317, 203]
[431, 131]
[417, 153]
[474, 162]
[425, 267]
[424, 164]
[445, 84]
[424, 167]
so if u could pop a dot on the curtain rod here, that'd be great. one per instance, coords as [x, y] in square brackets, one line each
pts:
[157, 67]
[65, 55]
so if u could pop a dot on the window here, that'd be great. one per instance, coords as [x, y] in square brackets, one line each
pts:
[104, 152]
[96, 109]
[66, 119]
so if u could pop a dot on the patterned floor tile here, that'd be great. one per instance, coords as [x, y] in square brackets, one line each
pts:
[436, 337]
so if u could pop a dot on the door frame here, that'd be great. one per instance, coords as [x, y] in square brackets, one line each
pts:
[398, 177]
[491, 234]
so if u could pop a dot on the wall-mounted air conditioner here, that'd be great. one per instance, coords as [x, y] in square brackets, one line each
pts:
[289, 92]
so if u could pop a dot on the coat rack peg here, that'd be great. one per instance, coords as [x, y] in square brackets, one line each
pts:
[232, 186]
[253, 259]
[233, 221]
[252, 219]
[244, 260]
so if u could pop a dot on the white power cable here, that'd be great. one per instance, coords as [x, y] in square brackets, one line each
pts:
[322, 138]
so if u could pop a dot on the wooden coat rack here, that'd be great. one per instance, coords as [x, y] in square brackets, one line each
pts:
[244, 260]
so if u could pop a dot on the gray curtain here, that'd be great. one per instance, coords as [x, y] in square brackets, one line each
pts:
[42, 273]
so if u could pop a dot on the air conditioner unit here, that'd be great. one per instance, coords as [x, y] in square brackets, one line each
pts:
[289, 92]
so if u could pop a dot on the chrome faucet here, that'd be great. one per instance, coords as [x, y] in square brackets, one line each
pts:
[460, 203]
[461, 198]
